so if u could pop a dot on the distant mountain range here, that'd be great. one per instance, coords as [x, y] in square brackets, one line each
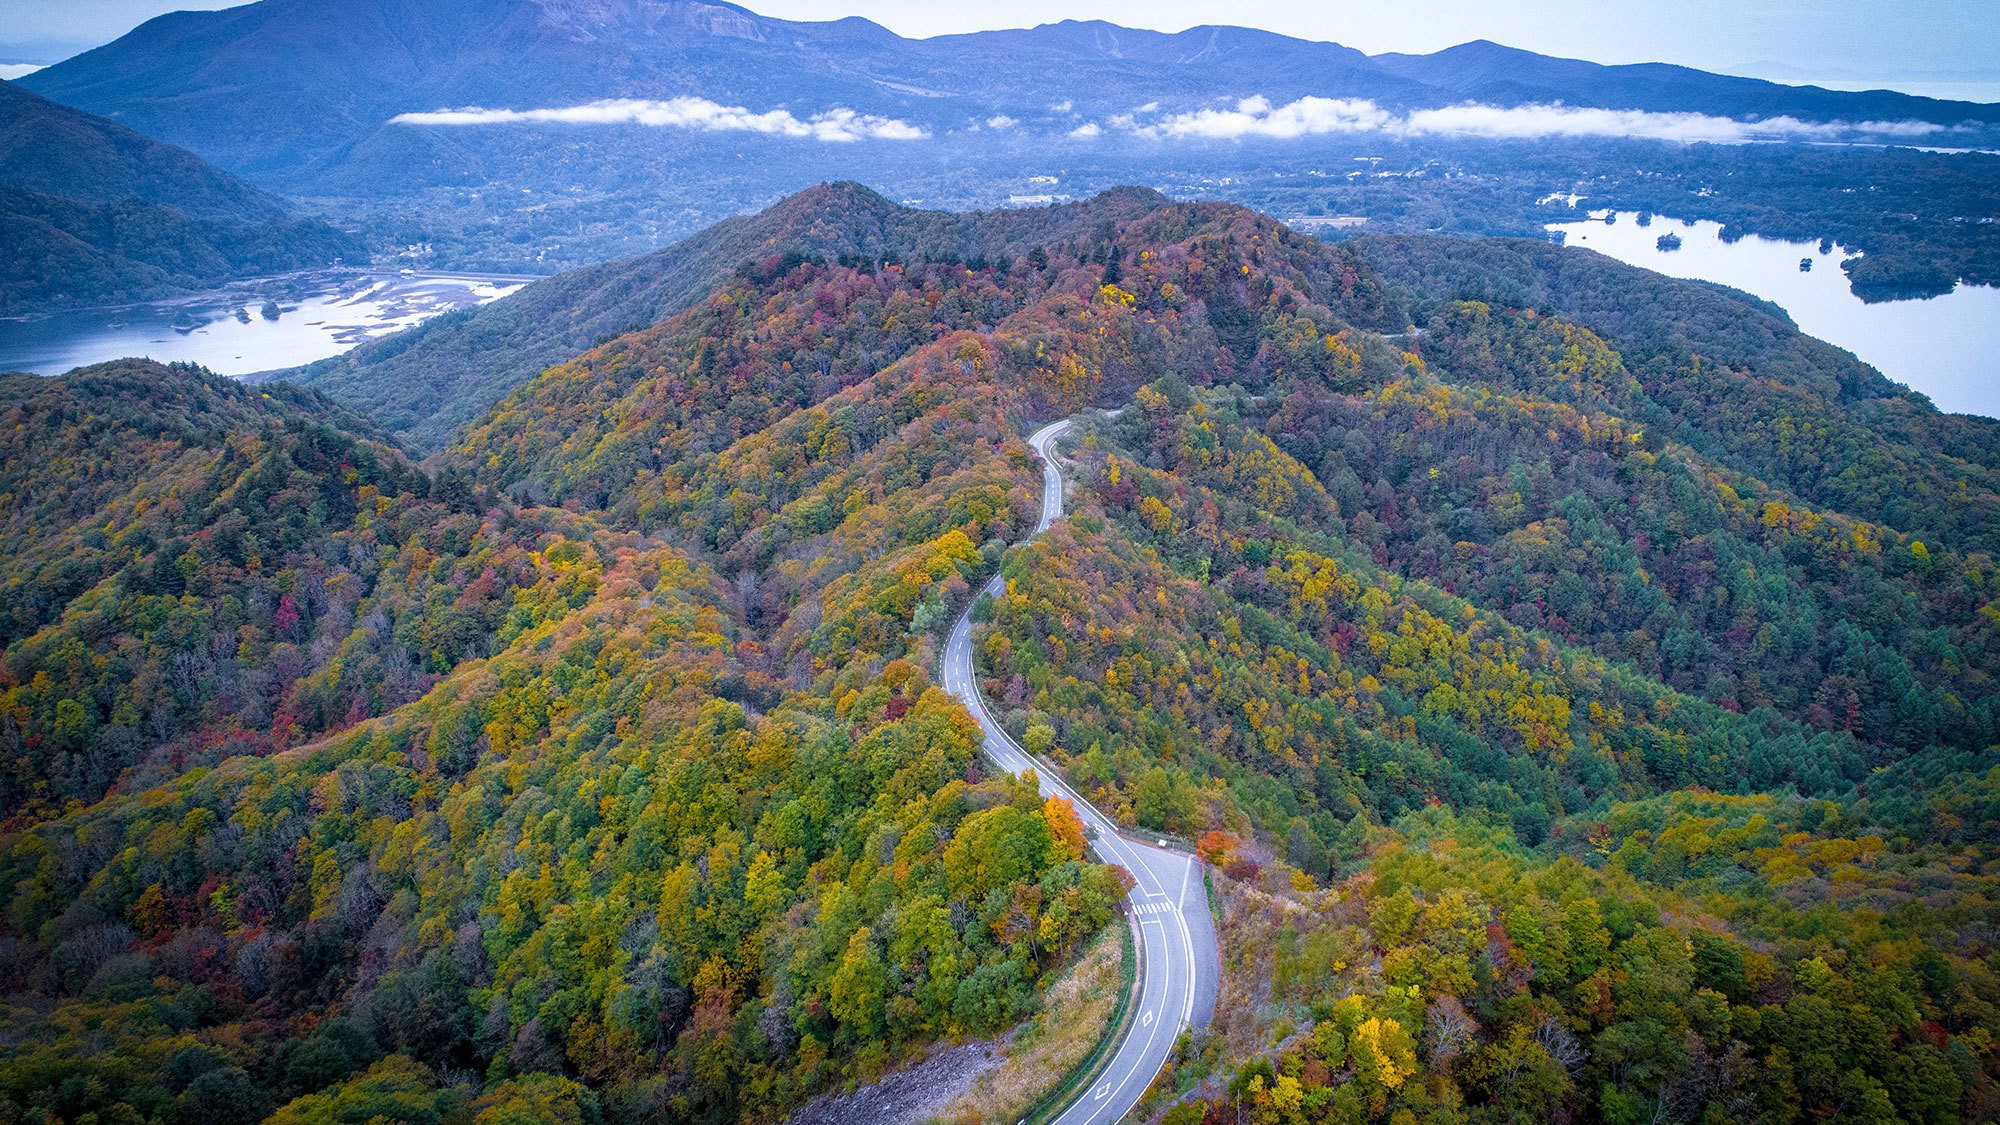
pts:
[92, 211]
[305, 95]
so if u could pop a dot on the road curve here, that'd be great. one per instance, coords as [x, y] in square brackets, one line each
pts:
[1178, 964]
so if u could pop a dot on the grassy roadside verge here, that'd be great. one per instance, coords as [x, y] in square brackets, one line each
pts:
[1084, 1014]
[1082, 1073]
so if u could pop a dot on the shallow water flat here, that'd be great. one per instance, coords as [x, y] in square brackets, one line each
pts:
[228, 330]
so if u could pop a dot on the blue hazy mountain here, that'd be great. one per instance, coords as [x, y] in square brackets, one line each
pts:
[91, 211]
[299, 95]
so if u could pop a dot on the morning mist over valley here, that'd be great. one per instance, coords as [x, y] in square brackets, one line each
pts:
[616, 561]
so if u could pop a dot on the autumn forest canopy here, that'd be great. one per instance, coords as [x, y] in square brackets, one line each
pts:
[1581, 684]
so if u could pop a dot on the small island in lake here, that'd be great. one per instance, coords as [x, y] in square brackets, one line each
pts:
[1668, 241]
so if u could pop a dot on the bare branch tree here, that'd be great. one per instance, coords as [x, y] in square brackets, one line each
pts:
[1560, 1044]
[1448, 1031]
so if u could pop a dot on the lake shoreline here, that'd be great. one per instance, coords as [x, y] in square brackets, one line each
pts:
[1940, 347]
[327, 273]
[252, 327]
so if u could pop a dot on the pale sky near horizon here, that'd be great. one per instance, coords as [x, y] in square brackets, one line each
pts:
[1938, 40]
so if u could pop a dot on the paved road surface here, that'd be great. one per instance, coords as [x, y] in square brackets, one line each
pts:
[1178, 961]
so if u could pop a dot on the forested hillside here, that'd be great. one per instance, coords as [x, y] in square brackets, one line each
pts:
[1581, 683]
[719, 765]
[91, 211]
[193, 572]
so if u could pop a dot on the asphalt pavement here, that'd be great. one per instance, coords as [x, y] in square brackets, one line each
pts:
[1178, 963]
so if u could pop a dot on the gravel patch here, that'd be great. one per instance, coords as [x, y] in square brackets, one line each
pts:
[910, 1095]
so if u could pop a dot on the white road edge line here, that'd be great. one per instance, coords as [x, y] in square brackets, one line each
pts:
[1110, 844]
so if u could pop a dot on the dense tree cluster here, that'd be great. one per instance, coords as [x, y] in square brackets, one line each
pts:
[1726, 375]
[65, 252]
[575, 858]
[1754, 958]
[1580, 522]
[200, 570]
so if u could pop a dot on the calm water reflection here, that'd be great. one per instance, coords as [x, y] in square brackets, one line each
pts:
[319, 314]
[1944, 347]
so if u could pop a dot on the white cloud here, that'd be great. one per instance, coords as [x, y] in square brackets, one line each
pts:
[1255, 117]
[1576, 121]
[1252, 117]
[13, 70]
[837, 124]
[1313, 116]
[1063, 106]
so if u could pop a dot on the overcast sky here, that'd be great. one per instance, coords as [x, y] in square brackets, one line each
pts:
[1861, 39]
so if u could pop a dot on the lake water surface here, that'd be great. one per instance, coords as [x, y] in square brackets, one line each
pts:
[1947, 347]
[320, 314]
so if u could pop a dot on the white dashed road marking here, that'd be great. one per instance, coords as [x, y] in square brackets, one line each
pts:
[1169, 952]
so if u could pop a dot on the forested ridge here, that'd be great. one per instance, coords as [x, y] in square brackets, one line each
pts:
[1581, 684]
[429, 382]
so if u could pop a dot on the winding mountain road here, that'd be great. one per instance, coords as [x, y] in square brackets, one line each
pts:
[1178, 964]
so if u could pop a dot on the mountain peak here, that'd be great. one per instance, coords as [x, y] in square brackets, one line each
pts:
[841, 204]
[840, 193]
[651, 17]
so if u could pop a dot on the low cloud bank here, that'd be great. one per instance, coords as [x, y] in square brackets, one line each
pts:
[1312, 116]
[1254, 117]
[837, 124]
